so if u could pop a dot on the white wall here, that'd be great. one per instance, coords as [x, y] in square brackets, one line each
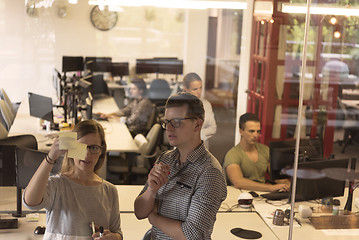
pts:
[30, 47]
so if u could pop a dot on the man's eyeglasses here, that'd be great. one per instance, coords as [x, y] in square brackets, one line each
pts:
[94, 149]
[175, 122]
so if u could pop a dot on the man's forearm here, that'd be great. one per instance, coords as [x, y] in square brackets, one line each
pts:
[245, 183]
[171, 227]
[144, 204]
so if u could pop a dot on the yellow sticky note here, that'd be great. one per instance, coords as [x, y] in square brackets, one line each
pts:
[78, 151]
[67, 140]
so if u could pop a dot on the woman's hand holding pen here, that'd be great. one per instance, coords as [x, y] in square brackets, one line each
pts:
[158, 176]
[104, 234]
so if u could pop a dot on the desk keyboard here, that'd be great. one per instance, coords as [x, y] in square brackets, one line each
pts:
[276, 195]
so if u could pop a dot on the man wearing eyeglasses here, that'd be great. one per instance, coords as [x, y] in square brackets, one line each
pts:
[186, 186]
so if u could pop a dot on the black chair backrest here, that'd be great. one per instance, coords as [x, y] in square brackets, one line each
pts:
[99, 85]
[24, 141]
[159, 91]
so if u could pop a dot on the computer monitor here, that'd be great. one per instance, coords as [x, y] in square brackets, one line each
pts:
[120, 69]
[41, 107]
[98, 64]
[72, 64]
[282, 153]
[169, 65]
[146, 66]
[319, 187]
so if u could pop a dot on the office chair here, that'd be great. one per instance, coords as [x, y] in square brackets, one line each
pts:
[6, 113]
[3, 131]
[99, 86]
[24, 141]
[147, 235]
[159, 91]
[6, 98]
[148, 151]
[139, 164]
[152, 118]
[350, 126]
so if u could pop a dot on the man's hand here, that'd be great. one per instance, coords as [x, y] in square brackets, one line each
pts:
[158, 176]
[279, 187]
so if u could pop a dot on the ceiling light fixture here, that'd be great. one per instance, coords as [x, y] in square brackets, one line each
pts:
[321, 10]
[187, 4]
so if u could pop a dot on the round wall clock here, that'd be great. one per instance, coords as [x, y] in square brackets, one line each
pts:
[103, 20]
[31, 11]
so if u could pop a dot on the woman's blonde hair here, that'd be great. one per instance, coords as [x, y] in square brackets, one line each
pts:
[84, 128]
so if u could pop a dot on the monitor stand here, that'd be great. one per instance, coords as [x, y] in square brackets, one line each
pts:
[18, 212]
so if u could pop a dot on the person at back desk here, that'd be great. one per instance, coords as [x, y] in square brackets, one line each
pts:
[138, 111]
[247, 162]
[192, 83]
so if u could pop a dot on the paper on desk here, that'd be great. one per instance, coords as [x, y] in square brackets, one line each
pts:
[32, 217]
[341, 232]
[77, 151]
[67, 140]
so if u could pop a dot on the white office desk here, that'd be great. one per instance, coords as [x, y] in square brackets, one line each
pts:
[246, 220]
[306, 230]
[118, 138]
[104, 105]
[258, 220]
[127, 195]
[230, 204]
[134, 229]
[25, 230]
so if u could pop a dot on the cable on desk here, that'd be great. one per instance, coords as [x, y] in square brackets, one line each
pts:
[233, 207]
[226, 207]
[276, 202]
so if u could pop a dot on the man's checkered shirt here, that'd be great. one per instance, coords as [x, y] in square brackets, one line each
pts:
[193, 194]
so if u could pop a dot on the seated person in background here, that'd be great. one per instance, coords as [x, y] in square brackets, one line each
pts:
[186, 186]
[77, 196]
[246, 163]
[192, 83]
[138, 111]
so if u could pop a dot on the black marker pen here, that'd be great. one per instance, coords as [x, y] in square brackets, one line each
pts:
[101, 231]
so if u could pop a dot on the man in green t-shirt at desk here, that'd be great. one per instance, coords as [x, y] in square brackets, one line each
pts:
[246, 163]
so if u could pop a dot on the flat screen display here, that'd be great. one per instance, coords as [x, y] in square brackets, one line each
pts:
[41, 107]
[72, 64]
[282, 153]
[98, 64]
[325, 186]
[119, 69]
